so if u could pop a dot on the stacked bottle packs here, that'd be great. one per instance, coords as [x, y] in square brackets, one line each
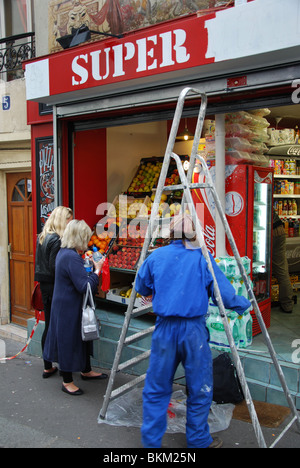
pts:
[241, 325]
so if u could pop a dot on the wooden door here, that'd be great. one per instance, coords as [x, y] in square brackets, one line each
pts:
[19, 207]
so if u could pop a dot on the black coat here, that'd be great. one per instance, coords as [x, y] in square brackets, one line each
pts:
[45, 258]
[64, 344]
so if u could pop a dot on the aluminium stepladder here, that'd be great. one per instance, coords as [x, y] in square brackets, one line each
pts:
[186, 185]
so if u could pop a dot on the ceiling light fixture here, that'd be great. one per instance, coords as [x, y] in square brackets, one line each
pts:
[185, 135]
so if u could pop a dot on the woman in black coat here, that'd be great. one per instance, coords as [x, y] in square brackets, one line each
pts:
[64, 343]
[48, 245]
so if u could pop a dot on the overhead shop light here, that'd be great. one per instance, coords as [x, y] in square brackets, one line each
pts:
[80, 35]
[185, 135]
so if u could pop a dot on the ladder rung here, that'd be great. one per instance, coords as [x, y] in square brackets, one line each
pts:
[141, 310]
[127, 387]
[172, 188]
[133, 361]
[137, 336]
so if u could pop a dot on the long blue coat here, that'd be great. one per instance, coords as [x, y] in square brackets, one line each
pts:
[64, 344]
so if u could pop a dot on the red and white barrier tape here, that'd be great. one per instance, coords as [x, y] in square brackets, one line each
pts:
[28, 341]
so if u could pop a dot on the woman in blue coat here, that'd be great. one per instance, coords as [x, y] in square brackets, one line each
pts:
[181, 284]
[64, 343]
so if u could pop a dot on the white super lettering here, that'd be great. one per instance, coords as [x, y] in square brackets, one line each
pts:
[151, 53]
[166, 49]
[107, 62]
[142, 58]
[96, 65]
[79, 70]
[181, 53]
[130, 50]
[143, 54]
[147, 53]
[118, 60]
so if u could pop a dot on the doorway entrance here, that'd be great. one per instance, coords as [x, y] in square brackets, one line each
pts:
[21, 264]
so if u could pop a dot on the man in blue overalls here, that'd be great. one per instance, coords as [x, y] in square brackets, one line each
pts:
[181, 284]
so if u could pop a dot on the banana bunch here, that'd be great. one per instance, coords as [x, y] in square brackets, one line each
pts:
[127, 293]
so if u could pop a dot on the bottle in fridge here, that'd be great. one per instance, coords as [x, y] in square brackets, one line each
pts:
[248, 208]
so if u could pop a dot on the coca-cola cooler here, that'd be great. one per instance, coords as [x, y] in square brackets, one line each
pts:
[248, 207]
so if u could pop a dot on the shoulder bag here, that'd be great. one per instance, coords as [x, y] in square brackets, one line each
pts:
[36, 298]
[89, 323]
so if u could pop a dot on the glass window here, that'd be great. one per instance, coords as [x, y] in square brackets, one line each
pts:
[18, 17]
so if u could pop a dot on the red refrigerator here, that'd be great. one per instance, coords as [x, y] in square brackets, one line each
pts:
[248, 207]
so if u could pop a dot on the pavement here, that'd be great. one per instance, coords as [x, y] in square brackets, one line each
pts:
[35, 413]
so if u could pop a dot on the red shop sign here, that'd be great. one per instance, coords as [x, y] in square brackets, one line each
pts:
[163, 48]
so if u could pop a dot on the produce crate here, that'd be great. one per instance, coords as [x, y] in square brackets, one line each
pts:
[126, 206]
[139, 185]
[114, 295]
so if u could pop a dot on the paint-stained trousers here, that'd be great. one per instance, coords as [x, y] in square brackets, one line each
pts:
[176, 340]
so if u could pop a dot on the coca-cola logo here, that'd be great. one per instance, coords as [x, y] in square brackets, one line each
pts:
[234, 203]
[209, 235]
[293, 151]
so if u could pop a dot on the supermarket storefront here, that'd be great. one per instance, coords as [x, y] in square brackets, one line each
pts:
[111, 108]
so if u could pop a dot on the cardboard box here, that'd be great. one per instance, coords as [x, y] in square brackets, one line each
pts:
[114, 295]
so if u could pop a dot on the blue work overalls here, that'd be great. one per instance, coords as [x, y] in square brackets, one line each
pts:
[181, 284]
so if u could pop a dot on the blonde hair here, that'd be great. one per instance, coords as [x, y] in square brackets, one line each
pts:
[77, 235]
[57, 222]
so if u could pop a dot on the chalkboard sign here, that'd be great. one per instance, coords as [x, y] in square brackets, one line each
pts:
[44, 180]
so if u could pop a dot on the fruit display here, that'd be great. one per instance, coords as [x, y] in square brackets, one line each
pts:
[124, 258]
[165, 210]
[127, 293]
[146, 176]
[126, 207]
[100, 241]
[130, 213]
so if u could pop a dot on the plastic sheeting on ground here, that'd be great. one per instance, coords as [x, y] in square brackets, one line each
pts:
[127, 411]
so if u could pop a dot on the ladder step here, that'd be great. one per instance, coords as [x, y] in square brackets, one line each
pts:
[127, 387]
[137, 336]
[133, 361]
[172, 188]
[141, 310]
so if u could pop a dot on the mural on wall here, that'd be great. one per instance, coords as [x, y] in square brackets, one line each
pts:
[118, 16]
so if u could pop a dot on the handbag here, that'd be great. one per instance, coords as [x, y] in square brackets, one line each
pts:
[227, 387]
[36, 298]
[89, 323]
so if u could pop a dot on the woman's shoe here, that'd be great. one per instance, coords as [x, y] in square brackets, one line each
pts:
[95, 377]
[77, 392]
[46, 375]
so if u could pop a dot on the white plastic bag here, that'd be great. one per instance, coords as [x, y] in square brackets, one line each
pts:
[89, 324]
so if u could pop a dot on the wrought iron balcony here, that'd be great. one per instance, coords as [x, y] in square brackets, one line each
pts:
[13, 51]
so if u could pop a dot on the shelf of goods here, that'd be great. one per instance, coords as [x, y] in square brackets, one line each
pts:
[122, 236]
[287, 187]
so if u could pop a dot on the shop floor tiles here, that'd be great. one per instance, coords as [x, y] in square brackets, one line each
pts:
[284, 333]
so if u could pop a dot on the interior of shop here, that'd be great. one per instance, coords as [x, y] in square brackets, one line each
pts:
[131, 149]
